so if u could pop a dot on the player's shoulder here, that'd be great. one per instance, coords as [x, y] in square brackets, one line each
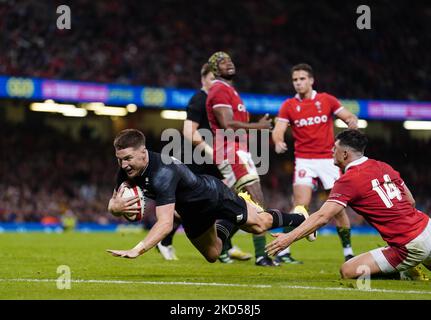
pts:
[365, 168]
[162, 167]
[198, 95]
[325, 95]
[355, 171]
[218, 86]
[383, 166]
[288, 103]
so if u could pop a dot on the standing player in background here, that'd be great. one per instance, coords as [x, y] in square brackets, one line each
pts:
[197, 119]
[227, 111]
[310, 115]
[377, 192]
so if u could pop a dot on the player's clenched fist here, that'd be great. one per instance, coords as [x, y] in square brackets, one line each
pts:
[280, 147]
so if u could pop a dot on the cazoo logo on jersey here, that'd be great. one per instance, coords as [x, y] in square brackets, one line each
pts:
[311, 121]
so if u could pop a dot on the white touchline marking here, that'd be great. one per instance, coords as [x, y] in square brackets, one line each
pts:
[214, 284]
[356, 290]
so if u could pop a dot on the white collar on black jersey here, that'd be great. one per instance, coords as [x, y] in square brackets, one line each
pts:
[313, 95]
[357, 162]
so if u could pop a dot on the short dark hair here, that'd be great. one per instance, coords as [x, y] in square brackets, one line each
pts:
[205, 70]
[303, 67]
[129, 138]
[354, 139]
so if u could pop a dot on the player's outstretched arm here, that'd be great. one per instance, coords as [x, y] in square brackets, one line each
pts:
[316, 221]
[163, 226]
[225, 119]
[278, 136]
[348, 118]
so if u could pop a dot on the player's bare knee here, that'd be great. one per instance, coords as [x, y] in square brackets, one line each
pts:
[211, 256]
[347, 272]
[211, 259]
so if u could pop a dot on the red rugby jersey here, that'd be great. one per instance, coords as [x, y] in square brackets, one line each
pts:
[376, 191]
[223, 95]
[312, 124]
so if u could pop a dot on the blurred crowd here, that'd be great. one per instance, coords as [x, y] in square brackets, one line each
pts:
[164, 43]
[47, 176]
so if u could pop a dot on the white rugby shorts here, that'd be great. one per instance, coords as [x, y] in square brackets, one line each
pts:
[323, 169]
[391, 259]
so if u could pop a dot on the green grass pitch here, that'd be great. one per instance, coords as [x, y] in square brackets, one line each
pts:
[29, 263]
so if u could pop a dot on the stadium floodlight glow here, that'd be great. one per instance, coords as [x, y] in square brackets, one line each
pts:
[417, 125]
[362, 124]
[111, 111]
[131, 107]
[173, 115]
[77, 112]
[51, 107]
[68, 110]
[93, 106]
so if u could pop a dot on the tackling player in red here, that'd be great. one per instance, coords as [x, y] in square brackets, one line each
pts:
[377, 192]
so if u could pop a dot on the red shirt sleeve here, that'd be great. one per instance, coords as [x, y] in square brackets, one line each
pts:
[334, 103]
[343, 191]
[219, 97]
[283, 113]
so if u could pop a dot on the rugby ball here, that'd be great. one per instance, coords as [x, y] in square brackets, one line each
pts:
[131, 192]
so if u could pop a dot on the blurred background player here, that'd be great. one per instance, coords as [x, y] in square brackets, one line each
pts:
[378, 193]
[310, 115]
[197, 119]
[165, 247]
[226, 110]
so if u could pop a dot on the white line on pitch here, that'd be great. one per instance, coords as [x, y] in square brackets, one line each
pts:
[356, 290]
[210, 284]
[214, 284]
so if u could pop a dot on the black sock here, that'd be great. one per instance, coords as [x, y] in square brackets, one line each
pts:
[225, 229]
[282, 219]
[167, 241]
[228, 244]
[259, 242]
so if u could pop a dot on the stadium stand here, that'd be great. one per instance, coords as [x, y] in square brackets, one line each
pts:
[49, 174]
[159, 44]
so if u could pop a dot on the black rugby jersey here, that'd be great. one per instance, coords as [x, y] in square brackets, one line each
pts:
[167, 180]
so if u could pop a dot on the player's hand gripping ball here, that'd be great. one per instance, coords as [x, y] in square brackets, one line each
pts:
[130, 191]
